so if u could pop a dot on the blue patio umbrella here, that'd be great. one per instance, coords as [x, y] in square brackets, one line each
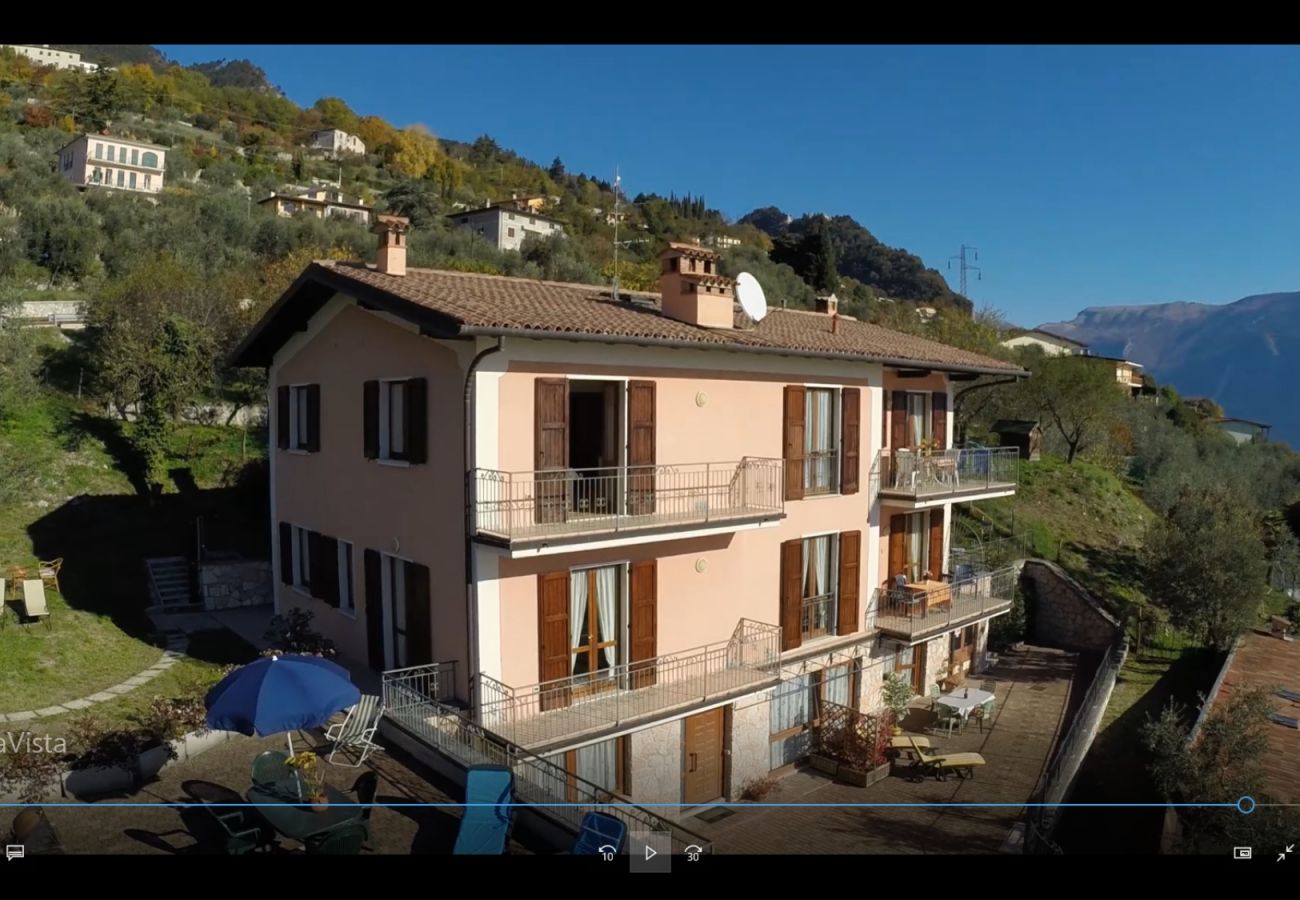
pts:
[280, 693]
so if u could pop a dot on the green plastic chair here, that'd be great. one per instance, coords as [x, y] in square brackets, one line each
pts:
[945, 717]
[935, 693]
[984, 714]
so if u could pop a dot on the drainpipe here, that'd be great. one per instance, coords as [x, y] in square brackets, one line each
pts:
[471, 593]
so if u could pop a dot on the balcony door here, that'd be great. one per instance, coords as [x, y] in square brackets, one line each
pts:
[596, 617]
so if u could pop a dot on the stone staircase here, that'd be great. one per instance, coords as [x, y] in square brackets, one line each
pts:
[170, 583]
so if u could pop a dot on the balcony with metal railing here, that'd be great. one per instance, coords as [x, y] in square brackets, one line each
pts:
[916, 479]
[538, 716]
[918, 612]
[526, 509]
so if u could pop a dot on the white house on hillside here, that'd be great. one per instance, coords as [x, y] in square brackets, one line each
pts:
[506, 225]
[338, 142]
[105, 161]
[42, 55]
[1051, 344]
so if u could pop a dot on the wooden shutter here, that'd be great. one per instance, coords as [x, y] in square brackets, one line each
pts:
[419, 616]
[939, 419]
[849, 581]
[641, 447]
[936, 542]
[282, 417]
[554, 648]
[850, 439]
[899, 438]
[315, 565]
[374, 610]
[794, 438]
[286, 553]
[644, 612]
[328, 587]
[897, 547]
[313, 418]
[370, 419]
[551, 447]
[416, 415]
[792, 593]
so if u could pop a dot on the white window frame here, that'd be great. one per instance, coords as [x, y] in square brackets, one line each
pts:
[623, 646]
[347, 598]
[392, 572]
[301, 558]
[298, 408]
[834, 572]
[927, 417]
[385, 422]
[837, 442]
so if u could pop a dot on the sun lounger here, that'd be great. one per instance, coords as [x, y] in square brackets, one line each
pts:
[1293, 696]
[940, 764]
[489, 813]
[357, 730]
[34, 600]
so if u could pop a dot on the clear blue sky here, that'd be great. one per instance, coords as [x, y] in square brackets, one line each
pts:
[1084, 175]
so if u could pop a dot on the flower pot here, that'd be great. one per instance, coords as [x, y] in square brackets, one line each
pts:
[861, 778]
[895, 730]
[823, 763]
[320, 805]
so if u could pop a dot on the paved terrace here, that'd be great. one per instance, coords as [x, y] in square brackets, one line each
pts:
[97, 829]
[1034, 689]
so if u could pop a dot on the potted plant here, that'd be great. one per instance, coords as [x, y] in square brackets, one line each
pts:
[311, 779]
[897, 695]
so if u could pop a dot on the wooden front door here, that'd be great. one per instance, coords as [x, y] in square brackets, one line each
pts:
[702, 768]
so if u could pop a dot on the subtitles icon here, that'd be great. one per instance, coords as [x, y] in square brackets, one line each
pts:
[14, 851]
[1242, 852]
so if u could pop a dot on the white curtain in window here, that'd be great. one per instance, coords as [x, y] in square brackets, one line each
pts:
[821, 549]
[836, 689]
[916, 549]
[598, 763]
[607, 606]
[790, 708]
[577, 613]
[916, 417]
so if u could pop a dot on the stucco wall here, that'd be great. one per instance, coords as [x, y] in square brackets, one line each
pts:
[415, 512]
[1063, 613]
[656, 768]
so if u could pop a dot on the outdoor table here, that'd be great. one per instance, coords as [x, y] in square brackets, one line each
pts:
[964, 701]
[286, 813]
[932, 594]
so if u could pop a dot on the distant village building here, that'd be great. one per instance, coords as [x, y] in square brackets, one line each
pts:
[319, 202]
[1244, 431]
[1025, 435]
[721, 241]
[100, 160]
[506, 224]
[1051, 344]
[1128, 374]
[42, 55]
[338, 142]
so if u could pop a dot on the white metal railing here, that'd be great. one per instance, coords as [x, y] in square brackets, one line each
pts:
[547, 789]
[523, 505]
[940, 473]
[913, 612]
[539, 714]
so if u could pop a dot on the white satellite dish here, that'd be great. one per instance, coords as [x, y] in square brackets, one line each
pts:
[750, 294]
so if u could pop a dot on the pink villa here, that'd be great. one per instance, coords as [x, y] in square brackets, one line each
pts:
[640, 539]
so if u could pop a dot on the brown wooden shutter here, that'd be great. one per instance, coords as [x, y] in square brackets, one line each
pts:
[313, 418]
[328, 589]
[939, 419]
[370, 419]
[936, 542]
[416, 422]
[791, 593]
[554, 649]
[641, 447]
[282, 417]
[849, 581]
[286, 553]
[899, 438]
[419, 616]
[850, 440]
[644, 627]
[897, 547]
[374, 610]
[315, 563]
[794, 441]
[551, 447]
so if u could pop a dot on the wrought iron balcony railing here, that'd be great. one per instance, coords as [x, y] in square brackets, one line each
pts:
[946, 473]
[926, 610]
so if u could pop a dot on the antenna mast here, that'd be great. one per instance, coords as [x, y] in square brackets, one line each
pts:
[965, 266]
[616, 205]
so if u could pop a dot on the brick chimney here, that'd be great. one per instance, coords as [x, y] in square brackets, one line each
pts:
[390, 257]
[693, 290]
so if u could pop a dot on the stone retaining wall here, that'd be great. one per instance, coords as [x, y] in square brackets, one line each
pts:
[1064, 614]
[235, 584]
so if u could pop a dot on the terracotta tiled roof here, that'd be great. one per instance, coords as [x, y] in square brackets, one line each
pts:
[468, 304]
[1262, 660]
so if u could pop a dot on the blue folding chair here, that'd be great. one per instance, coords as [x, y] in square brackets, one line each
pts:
[489, 812]
[598, 832]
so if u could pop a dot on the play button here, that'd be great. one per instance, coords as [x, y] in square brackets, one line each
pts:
[650, 853]
[658, 856]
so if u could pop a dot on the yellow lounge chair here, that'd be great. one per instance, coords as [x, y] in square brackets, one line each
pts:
[940, 764]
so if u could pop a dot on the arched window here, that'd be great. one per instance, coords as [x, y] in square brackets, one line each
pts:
[149, 159]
